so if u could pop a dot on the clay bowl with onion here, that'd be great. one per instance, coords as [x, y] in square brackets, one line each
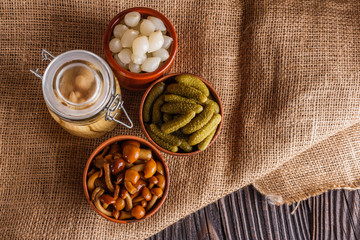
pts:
[124, 161]
[139, 81]
[169, 79]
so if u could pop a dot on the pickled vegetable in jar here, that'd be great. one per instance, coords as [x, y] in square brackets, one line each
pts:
[82, 94]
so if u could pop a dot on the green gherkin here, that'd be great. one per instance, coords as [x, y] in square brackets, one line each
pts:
[177, 98]
[167, 117]
[205, 131]
[156, 111]
[184, 142]
[177, 123]
[200, 120]
[194, 82]
[181, 107]
[202, 145]
[161, 142]
[214, 104]
[172, 140]
[155, 92]
[186, 91]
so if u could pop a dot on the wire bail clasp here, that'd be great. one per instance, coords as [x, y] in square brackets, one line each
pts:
[117, 103]
[45, 55]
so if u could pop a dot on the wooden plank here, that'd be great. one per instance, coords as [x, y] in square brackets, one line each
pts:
[246, 214]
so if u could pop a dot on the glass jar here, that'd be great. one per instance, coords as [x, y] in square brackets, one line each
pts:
[82, 94]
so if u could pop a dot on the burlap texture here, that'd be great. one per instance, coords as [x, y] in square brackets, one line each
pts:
[288, 76]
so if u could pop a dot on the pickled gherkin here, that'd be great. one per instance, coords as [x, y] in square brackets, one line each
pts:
[205, 131]
[202, 145]
[215, 105]
[194, 82]
[177, 98]
[184, 141]
[156, 110]
[155, 92]
[180, 107]
[186, 91]
[174, 141]
[200, 120]
[177, 123]
[161, 142]
[167, 117]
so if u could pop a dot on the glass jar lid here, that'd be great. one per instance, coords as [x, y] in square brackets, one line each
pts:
[77, 85]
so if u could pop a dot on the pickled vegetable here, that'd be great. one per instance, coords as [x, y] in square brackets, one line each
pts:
[214, 104]
[205, 131]
[202, 145]
[161, 142]
[167, 117]
[166, 137]
[186, 91]
[194, 82]
[155, 92]
[181, 108]
[177, 98]
[200, 120]
[156, 111]
[177, 123]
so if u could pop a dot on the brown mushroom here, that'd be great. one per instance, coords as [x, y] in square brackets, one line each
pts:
[130, 142]
[91, 172]
[91, 181]
[117, 156]
[145, 154]
[134, 195]
[107, 199]
[146, 194]
[150, 168]
[95, 192]
[117, 166]
[156, 194]
[128, 202]
[139, 185]
[138, 212]
[119, 204]
[128, 165]
[138, 167]
[116, 192]
[131, 176]
[138, 199]
[108, 182]
[162, 181]
[123, 193]
[99, 159]
[131, 153]
[98, 205]
[119, 178]
[152, 181]
[160, 168]
[116, 213]
[108, 158]
[100, 183]
[143, 203]
[115, 148]
[128, 185]
[125, 215]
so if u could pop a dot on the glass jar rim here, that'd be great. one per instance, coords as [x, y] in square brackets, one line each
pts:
[108, 86]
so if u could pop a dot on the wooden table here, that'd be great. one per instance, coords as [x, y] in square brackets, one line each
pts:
[246, 214]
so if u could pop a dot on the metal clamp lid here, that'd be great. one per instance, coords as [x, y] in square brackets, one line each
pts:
[116, 103]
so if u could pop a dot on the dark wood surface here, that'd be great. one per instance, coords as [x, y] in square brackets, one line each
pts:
[246, 214]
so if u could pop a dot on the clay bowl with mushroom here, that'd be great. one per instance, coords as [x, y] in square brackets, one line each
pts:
[139, 81]
[126, 179]
[190, 91]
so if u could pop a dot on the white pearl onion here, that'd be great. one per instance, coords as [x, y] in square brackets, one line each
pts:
[167, 42]
[150, 64]
[135, 68]
[162, 53]
[140, 46]
[146, 27]
[159, 25]
[121, 64]
[115, 45]
[128, 38]
[125, 56]
[138, 59]
[156, 40]
[132, 19]
[119, 30]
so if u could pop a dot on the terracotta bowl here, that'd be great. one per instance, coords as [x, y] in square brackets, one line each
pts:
[169, 79]
[139, 81]
[157, 155]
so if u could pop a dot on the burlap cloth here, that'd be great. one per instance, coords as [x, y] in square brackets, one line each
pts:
[288, 76]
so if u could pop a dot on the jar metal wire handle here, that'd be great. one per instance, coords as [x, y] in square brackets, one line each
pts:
[45, 55]
[111, 113]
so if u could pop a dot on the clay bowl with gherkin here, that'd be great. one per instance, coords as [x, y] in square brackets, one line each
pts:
[181, 114]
